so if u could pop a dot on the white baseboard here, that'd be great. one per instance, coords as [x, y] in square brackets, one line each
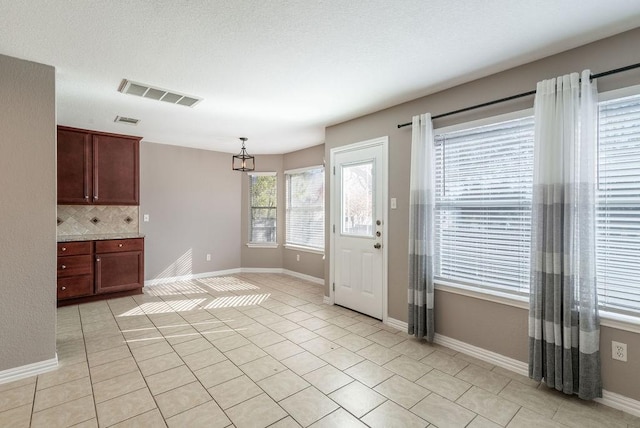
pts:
[620, 402]
[610, 399]
[260, 270]
[327, 300]
[166, 280]
[400, 325]
[491, 357]
[306, 277]
[191, 276]
[32, 369]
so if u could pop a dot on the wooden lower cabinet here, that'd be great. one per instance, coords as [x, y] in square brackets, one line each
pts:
[94, 270]
[118, 271]
[75, 269]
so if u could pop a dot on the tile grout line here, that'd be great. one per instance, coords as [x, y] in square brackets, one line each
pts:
[285, 300]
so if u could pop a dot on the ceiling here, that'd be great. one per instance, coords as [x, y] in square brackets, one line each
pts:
[280, 71]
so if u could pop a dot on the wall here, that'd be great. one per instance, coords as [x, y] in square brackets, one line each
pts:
[27, 213]
[193, 200]
[263, 257]
[310, 263]
[461, 317]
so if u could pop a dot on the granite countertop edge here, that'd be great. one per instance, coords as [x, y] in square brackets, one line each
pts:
[99, 237]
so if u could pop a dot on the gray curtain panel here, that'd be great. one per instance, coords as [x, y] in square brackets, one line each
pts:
[421, 222]
[564, 328]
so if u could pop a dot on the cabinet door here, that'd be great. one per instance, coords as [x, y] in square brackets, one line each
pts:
[119, 271]
[74, 167]
[115, 170]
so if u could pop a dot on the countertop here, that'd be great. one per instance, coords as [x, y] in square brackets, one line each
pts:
[98, 237]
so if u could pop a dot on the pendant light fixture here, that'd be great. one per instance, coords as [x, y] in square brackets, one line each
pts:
[243, 161]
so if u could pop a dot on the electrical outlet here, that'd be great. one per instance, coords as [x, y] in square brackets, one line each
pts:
[208, 257]
[297, 257]
[619, 351]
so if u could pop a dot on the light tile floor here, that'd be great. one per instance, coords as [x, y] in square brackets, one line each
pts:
[259, 350]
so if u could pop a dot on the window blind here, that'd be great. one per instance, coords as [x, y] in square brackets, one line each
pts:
[263, 208]
[305, 208]
[484, 177]
[618, 211]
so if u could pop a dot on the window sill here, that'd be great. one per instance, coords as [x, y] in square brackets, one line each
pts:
[619, 321]
[489, 295]
[607, 319]
[303, 249]
[261, 245]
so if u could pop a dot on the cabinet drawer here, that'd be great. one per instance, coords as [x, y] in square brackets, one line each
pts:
[74, 265]
[118, 245]
[74, 248]
[76, 286]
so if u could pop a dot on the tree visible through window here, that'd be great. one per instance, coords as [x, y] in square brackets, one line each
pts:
[263, 199]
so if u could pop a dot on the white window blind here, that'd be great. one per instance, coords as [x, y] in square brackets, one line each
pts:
[484, 177]
[618, 213]
[305, 207]
[263, 208]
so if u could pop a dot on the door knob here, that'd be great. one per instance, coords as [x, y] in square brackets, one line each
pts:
[378, 222]
[63, 267]
[377, 246]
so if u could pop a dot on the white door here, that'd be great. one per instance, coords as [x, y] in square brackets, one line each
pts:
[359, 208]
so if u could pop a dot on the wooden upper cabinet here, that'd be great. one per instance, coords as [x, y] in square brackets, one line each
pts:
[75, 173]
[97, 168]
[115, 169]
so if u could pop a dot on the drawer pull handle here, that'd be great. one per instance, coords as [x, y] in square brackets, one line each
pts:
[64, 267]
[64, 288]
[64, 248]
[119, 245]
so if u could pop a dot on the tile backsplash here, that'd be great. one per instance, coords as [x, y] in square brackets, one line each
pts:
[97, 219]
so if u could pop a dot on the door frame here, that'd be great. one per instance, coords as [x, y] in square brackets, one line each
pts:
[384, 169]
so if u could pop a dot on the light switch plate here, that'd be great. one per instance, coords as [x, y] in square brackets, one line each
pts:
[145, 217]
[394, 203]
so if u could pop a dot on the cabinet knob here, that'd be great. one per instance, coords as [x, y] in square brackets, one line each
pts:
[64, 248]
[63, 267]
[119, 245]
[64, 288]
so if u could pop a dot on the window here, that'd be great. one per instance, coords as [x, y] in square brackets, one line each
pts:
[263, 208]
[618, 211]
[305, 207]
[484, 177]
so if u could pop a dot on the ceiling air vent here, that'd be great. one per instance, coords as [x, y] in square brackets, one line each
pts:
[147, 91]
[127, 120]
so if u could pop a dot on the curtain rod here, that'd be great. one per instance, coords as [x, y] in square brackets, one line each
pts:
[523, 94]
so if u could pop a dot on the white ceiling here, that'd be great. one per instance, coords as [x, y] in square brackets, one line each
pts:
[280, 71]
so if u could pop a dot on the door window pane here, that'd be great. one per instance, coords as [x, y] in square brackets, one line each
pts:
[357, 199]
